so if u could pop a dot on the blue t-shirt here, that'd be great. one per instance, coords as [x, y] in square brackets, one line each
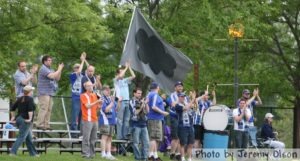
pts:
[122, 88]
[75, 80]
[202, 106]
[185, 118]
[135, 120]
[155, 100]
[107, 118]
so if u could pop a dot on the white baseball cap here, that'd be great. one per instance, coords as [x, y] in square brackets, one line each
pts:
[28, 88]
[268, 115]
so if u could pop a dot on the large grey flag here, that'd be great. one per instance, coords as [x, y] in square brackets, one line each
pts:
[152, 56]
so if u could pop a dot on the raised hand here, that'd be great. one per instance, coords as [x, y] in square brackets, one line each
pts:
[83, 56]
[61, 66]
[213, 93]
[98, 77]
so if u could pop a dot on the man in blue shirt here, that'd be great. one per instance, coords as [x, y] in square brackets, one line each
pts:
[155, 116]
[185, 126]
[75, 80]
[107, 122]
[139, 126]
[22, 77]
[121, 85]
[175, 146]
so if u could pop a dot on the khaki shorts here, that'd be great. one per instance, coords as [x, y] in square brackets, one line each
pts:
[155, 130]
[108, 130]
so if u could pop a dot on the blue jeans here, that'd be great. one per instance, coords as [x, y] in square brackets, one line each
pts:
[140, 135]
[252, 130]
[75, 120]
[123, 120]
[24, 135]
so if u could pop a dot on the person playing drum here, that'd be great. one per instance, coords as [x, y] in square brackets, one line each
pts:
[203, 104]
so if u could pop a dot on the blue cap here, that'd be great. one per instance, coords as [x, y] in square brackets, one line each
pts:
[178, 83]
[181, 94]
[153, 85]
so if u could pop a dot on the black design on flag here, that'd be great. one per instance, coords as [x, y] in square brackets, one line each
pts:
[151, 48]
[150, 55]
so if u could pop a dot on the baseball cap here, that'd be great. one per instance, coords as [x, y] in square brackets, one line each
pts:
[181, 94]
[28, 88]
[178, 83]
[153, 85]
[268, 115]
[76, 65]
[246, 91]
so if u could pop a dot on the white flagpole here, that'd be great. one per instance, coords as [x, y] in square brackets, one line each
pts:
[128, 30]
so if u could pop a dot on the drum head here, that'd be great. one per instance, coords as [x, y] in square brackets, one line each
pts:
[215, 118]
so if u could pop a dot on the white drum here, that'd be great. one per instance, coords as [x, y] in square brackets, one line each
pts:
[216, 118]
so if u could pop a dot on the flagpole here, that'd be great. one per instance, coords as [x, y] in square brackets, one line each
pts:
[129, 29]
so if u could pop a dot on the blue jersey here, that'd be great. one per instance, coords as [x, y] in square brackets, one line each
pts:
[174, 98]
[185, 118]
[251, 108]
[75, 80]
[136, 120]
[107, 118]
[155, 100]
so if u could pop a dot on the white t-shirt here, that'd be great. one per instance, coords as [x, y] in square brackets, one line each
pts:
[240, 126]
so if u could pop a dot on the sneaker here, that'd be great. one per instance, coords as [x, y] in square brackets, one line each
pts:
[49, 128]
[172, 156]
[12, 155]
[110, 157]
[178, 157]
[158, 159]
[34, 137]
[86, 157]
[37, 155]
[151, 158]
[41, 128]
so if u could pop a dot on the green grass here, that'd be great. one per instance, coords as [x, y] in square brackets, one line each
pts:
[55, 156]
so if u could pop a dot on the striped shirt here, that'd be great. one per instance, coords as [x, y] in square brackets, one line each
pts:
[202, 106]
[46, 86]
[89, 114]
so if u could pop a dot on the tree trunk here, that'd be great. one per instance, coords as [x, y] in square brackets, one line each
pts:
[296, 132]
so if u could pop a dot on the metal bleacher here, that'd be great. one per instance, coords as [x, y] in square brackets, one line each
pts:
[56, 139]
